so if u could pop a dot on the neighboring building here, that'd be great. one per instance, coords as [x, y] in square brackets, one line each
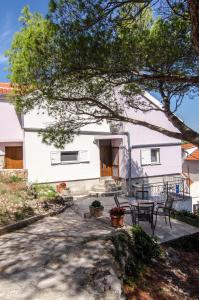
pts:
[123, 151]
[11, 133]
[190, 169]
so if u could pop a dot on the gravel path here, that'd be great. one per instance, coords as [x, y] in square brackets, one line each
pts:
[56, 258]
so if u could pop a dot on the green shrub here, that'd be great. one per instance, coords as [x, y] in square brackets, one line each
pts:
[14, 179]
[134, 250]
[96, 204]
[145, 247]
[45, 191]
[25, 212]
[186, 216]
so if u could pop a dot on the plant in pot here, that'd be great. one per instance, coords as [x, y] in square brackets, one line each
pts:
[117, 216]
[96, 209]
[61, 187]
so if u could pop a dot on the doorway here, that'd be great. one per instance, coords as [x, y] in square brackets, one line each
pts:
[14, 157]
[109, 159]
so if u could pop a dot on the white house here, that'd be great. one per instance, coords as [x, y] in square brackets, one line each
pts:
[97, 151]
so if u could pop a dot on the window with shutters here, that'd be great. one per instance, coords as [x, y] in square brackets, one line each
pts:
[150, 156]
[64, 157]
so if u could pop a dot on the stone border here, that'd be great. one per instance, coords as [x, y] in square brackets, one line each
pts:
[23, 223]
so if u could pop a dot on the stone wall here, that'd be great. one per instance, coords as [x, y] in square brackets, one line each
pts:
[6, 173]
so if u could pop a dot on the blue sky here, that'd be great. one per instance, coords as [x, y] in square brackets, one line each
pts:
[10, 12]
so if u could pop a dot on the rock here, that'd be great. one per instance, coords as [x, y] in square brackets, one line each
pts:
[172, 254]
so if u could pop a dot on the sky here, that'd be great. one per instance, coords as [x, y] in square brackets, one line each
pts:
[9, 24]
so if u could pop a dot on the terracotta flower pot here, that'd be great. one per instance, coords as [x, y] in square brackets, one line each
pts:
[96, 211]
[117, 221]
[61, 187]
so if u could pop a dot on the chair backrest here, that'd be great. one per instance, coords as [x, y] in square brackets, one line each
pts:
[142, 195]
[169, 202]
[116, 201]
[147, 208]
[144, 211]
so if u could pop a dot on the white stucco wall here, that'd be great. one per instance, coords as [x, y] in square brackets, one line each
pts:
[170, 162]
[10, 127]
[37, 154]
[38, 163]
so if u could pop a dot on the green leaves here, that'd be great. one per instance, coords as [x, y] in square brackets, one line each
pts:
[80, 57]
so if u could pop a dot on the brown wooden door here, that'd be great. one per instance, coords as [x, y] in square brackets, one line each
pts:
[14, 157]
[105, 160]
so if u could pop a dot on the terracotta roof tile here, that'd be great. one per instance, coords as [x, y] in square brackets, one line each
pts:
[187, 146]
[193, 156]
[5, 88]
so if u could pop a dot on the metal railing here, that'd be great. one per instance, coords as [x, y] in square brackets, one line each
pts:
[159, 191]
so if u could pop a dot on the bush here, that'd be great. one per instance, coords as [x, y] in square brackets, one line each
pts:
[145, 247]
[25, 212]
[45, 191]
[96, 204]
[186, 216]
[134, 250]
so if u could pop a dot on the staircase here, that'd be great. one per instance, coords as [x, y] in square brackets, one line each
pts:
[106, 187]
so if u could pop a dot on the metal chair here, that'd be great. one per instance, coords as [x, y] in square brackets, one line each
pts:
[165, 210]
[143, 212]
[125, 205]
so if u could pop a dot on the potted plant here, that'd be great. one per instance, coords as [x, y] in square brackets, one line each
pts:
[117, 216]
[96, 209]
[61, 187]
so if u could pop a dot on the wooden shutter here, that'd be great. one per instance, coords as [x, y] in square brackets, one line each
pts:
[146, 156]
[55, 157]
[83, 155]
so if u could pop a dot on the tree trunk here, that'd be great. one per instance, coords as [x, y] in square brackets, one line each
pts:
[194, 14]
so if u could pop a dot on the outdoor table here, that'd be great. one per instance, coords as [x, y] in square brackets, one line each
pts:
[143, 210]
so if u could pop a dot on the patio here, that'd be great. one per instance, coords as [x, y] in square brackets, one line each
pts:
[162, 231]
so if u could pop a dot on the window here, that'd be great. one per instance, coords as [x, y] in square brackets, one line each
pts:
[155, 155]
[64, 157]
[69, 156]
[150, 156]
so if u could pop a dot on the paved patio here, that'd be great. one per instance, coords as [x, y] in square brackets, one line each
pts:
[163, 231]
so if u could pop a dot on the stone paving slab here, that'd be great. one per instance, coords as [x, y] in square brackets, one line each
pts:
[163, 231]
[54, 259]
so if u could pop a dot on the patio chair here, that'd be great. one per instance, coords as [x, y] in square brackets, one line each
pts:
[165, 210]
[125, 205]
[143, 212]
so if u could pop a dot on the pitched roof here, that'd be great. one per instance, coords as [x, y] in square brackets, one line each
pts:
[187, 146]
[193, 156]
[5, 88]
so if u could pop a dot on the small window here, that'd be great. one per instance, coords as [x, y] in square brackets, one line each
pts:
[69, 156]
[150, 156]
[155, 155]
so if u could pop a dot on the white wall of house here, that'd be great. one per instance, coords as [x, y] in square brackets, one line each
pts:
[40, 168]
[169, 162]
[37, 154]
[143, 138]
